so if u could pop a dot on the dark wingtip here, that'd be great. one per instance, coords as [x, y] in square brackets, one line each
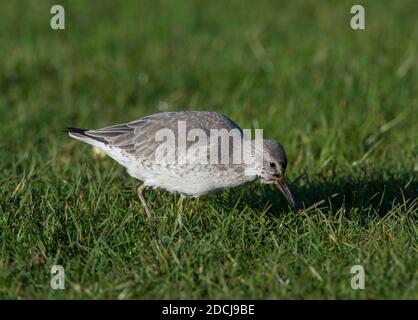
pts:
[78, 132]
[75, 130]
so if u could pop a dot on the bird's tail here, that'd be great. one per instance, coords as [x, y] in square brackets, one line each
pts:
[83, 135]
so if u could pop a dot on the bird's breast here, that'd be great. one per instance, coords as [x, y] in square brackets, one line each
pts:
[194, 180]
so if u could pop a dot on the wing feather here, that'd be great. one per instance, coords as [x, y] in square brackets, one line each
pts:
[137, 138]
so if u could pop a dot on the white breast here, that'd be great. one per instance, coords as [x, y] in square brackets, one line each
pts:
[190, 179]
[194, 181]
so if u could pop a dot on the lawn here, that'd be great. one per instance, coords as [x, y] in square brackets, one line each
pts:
[344, 104]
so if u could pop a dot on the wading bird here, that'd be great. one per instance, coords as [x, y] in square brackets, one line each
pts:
[197, 164]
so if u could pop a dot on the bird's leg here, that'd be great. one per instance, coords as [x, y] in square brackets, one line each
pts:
[141, 194]
[180, 203]
[179, 219]
[195, 203]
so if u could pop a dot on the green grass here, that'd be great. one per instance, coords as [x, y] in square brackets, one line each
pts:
[344, 104]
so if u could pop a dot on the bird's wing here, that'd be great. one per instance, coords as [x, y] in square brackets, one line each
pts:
[138, 138]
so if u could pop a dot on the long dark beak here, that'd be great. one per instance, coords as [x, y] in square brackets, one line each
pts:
[282, 185]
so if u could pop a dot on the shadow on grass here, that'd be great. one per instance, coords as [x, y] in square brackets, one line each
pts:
[378, 193]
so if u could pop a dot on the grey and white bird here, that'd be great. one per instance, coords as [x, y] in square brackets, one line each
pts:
[135, 145]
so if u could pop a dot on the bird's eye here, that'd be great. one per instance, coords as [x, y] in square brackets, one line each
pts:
[272, 164]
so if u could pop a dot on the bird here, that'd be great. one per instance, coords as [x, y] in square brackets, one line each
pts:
[180, 152]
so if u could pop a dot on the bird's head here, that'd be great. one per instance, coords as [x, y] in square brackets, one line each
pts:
[274, 167]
